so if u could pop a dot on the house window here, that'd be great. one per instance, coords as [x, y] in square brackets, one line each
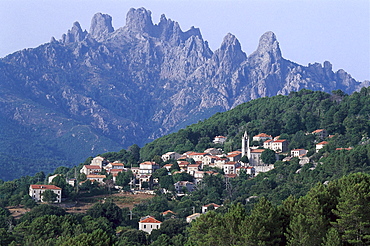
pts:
[144, 226]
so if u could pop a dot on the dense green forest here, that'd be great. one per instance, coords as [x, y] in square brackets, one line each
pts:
[289, 116]
[325, 202]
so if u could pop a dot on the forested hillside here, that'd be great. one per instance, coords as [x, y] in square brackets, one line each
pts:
[288, 116]
[324, 202]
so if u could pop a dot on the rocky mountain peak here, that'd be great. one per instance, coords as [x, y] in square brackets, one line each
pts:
[75, 34]
[230, 53]
[168, 30]
[268, 47]
[101, 24]
[139, 20]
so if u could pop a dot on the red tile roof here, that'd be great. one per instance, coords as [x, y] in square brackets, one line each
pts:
[193, 165]
[280, 141]
[117, 164]
[322, 143]
[92, 166]
[95, 176]
[214, 205]
[264, 135]
[150, 220]
[233, 155]
[45, 187]
[148, 163]
[194, 153]
[167, 212]
[116, 170]
[257, 150]
[318, 130]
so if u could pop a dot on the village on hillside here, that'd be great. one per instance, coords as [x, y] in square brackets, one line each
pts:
[212, 161]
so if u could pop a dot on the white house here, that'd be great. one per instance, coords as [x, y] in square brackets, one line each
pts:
[255, 157]
[95, 177]
[192, 168]
[248, 170]
[276, 145]
[320, 145]
[205, 207]
[234, 156]
[90, 169]
[148, 167]
[192, 217]
[213, 151]
[170, 155]
[149, 223]
[230, 167]
[168, 166]
[198, 156]
[97, 161]
[36, 191]
[219, 139]
[114, 165]
[262, 137]
[297, 152]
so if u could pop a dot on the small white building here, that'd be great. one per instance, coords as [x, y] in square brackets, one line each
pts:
[297, 152]
[97, 178]
[192, 217]
[205, 207]
[248, 170]
[148, 167]
[149, 223]
[170, 155]
[213, 151]
[97, 161]
[279, 145]
[90, 169]
[262, 137]
[192, 168]
[234, 156]
[219, 140]
[36, 191]
[320, 145]
[230, 167]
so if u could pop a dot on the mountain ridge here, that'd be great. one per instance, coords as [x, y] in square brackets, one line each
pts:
[117, 87]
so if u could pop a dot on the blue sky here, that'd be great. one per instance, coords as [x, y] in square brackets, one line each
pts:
[308, 31]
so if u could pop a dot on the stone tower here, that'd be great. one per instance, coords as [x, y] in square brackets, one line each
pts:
[245, 146]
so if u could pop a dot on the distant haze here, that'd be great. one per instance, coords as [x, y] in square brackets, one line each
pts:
[308, 31]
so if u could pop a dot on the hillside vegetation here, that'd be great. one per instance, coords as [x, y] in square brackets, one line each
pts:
[288, 116]
[325, 202]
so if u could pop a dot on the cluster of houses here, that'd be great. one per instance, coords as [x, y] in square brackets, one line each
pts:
[149, 223]
[193, 163]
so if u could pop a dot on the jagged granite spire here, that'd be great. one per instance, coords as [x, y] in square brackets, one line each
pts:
[139, 20]
[268, 49]
[101, 24]
[230, 53]
[75, 34]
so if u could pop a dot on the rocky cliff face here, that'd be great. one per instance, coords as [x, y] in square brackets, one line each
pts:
[107, 89]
